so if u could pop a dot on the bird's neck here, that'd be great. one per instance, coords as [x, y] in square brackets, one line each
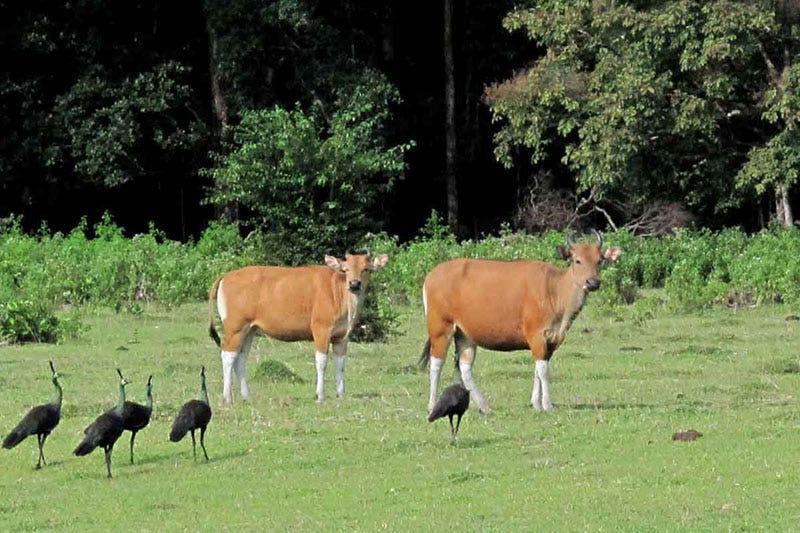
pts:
[203, 391]
[59, 393]
[149, 400]
[121, 404]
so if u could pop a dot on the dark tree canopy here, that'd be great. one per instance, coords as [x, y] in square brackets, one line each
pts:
[614, 107]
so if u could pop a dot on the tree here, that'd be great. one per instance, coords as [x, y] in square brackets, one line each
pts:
[450, 171]
[644, 100]
[309, 179]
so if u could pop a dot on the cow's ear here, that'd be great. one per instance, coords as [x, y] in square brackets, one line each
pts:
[612, 254]
[563, 252]
[379, 262]
[333, 262]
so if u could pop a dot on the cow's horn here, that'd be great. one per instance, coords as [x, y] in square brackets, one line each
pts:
[599, 238]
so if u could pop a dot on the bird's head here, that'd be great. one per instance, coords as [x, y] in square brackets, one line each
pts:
[53, 370]
[122, 379]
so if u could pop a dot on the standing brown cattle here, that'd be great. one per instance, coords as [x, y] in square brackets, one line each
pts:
[507, 305]
[319, 303]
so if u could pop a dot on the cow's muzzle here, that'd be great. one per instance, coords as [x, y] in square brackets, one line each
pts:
[592, 284]
[354, 285]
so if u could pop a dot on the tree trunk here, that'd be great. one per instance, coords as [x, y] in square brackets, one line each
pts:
[217, 98]
[783, 208]
[230, 211]
[450, 121]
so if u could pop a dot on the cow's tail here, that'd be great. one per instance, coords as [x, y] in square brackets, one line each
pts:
[426, 354]
[212, 301]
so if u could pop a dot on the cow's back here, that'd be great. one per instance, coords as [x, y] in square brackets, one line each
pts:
[488, 300]
[280, 301]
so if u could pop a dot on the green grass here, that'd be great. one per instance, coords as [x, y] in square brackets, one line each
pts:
[622, 383]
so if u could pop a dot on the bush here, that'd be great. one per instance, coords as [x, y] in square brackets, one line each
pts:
[101, 267]
[27, 321]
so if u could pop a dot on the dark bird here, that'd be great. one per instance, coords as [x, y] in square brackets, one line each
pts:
[136, 416]
[40, 421]
[453, 402]
[106, 428]
[195, 414]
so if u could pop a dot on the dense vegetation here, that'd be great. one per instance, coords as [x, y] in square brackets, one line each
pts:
[349, 115]
[100, 267]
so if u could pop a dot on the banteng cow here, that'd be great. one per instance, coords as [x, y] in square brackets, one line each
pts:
[319, 303]
[507, 305]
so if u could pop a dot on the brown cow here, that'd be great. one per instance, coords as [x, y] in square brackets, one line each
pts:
[319, 303]
[507, 305]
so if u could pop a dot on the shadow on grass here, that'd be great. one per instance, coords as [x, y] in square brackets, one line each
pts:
[182, 455]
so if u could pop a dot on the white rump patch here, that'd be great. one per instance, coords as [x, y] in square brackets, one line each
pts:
[221, 307]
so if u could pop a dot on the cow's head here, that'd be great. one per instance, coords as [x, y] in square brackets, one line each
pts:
[585, 260]
[356, 268]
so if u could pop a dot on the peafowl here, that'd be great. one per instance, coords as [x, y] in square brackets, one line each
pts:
[106, 428]
[453, 401]
[40, 420]
[195, 414]
[136, 416]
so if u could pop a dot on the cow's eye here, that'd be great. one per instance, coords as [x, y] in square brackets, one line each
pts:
[577, 261]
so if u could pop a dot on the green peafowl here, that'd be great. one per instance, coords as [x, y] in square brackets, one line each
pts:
[453, 402]
[106, 429]
[195, 414]
[40, 420]
[136, 416]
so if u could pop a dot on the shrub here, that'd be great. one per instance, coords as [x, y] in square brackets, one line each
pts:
[27, 321]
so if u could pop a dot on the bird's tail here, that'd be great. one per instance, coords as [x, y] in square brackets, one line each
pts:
[84, 448]
[176, 434]
[212, 300]
[13, 438]
[180, 427]
[426, 354]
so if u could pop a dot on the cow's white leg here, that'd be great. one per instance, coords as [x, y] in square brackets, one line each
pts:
[472, 387]
[536, 395]
[228, 358]
[542, 372]
[321, 358]
[339, 355]
[436, 369]
[240, 364]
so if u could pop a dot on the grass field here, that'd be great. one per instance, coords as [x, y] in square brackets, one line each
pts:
[622, 384]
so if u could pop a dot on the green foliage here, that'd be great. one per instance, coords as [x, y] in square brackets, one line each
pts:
[103, 123]
[26, 321]
[307, 177]
[631, 97]
[102, 268]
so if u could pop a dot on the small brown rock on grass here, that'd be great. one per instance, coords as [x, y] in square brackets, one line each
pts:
[687, 436]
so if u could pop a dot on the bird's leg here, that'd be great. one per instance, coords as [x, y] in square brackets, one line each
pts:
[458, 423]
[452, 431]
[133, 436]
[194, 450]
[40, 440]
[202, 444]
[108, 459]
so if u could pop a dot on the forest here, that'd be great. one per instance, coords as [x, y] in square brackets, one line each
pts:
[322, 121]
